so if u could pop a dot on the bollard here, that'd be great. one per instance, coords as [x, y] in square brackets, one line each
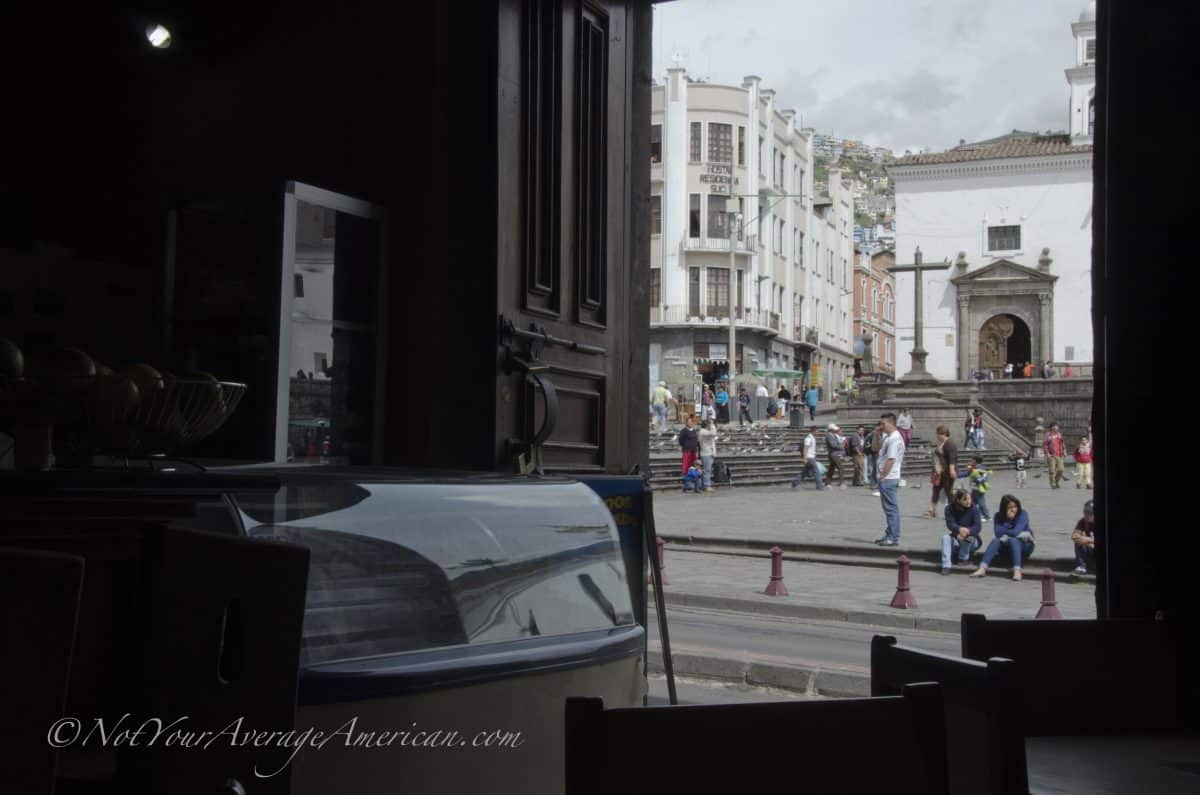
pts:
[1049, 608]
[904, 598]
[776, 587]
[662, 571]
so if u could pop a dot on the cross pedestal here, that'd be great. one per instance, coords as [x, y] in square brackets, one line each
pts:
[918, 385]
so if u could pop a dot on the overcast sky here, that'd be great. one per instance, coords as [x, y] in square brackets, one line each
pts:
[925, 73]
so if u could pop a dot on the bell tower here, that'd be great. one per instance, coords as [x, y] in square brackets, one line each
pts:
[1082, 77]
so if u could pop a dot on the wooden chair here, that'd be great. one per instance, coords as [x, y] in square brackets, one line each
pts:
[39, 605]
[180, 623]
[894, 744]
[1086, 677]
[985, 750]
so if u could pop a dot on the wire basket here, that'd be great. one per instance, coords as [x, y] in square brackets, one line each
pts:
[158, 420]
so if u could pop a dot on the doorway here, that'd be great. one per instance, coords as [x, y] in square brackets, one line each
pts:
[1004, 339]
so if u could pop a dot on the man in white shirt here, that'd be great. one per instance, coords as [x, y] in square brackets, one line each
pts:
[810, 461]
[891, 455]
[762, 391]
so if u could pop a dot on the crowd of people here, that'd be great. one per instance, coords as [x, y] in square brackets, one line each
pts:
[873, 458]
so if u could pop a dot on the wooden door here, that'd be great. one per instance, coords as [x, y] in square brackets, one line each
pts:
[572, 235]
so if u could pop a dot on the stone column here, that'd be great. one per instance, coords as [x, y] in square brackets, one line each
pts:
[1046, 325]
[964, 337]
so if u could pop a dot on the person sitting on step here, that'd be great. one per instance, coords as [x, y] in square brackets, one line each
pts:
[962, 530]
[1012, 533]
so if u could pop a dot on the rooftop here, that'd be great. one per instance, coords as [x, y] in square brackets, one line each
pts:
[1016, 144]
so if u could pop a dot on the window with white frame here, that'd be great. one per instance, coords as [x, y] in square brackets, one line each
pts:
[694, 143]
[762, 156]
[1004, 238]
[694, 215]
[656, 215]
[1089, 51]
[741, 146]
[655, 143]
[718, 217]
[720, 143]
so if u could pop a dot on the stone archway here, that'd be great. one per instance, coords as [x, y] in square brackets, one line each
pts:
[1003, 339]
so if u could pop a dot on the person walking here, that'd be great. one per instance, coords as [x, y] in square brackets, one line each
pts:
[904, 424]
[835, 448]
[1012, 533]
[812, 467]
[658, 402]
[744, 407]
[762, 391]
[1019, 457]
[977, 416]
[1054, 447]
[810, 398]
[962, 529]
[708, 452]
[1083, 463]
[871, 451]
[977, 476]
[945, 471]
[968, 430]
[689, 443]
[678, 401]
[891, 457]
[858, 441]
[706, 405]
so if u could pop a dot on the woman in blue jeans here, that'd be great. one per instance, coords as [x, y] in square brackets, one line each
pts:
[1012, 532]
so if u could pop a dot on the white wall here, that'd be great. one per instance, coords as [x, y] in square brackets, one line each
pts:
[947, 215]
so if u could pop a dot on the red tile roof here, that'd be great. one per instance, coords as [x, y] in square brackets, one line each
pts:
[1016, 147]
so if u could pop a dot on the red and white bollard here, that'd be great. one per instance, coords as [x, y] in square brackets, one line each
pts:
[904, 598]
[776, 587]
[662, 570]
[1049, 608]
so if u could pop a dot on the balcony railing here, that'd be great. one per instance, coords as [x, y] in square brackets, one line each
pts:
[715, 244]
[681, 314]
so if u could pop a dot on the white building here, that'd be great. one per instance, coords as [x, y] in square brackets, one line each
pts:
[720, 153]
[1014, 216]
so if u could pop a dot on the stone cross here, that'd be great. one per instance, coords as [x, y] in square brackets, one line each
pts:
[918, 372]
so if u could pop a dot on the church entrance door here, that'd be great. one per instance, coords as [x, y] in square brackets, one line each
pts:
[1004, 339]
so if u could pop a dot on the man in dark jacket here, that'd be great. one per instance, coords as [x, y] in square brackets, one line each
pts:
[744, 407]
[962, 530]
[835, 445]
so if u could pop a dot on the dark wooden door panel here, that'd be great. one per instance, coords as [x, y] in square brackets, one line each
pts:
[563, 246]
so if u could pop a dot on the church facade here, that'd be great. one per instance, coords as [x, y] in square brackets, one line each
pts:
[1013, 216]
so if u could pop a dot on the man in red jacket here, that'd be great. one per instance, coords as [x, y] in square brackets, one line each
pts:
[1055, 449]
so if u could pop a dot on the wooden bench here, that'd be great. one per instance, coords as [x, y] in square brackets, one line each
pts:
[1087, 677]
[985, 750]
[892, 744]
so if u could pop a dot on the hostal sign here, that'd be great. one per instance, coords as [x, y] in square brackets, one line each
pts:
[718, 177]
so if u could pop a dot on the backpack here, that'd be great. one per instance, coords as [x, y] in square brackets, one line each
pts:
[721, 473]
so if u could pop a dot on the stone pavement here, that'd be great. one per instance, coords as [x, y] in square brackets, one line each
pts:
[848, 521]
[833, 592]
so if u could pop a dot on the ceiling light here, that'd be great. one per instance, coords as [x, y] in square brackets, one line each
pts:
[158, 36]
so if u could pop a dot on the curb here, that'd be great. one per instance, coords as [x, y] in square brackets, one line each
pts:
[811, 680]
[898, 620]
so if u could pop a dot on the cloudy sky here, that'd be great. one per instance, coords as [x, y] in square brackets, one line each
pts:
[924, 73]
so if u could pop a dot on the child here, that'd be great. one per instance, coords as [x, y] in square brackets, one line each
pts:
[1018, 457]
[1085, 539]
[1083, 463]
[693, 479]
[978, 477]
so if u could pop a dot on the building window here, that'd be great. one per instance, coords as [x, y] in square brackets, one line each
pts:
[718, 218]
[741, 212]
[830, 272]
[1089, 51]
[718, 292]
[741, 292]
[656, 215]
[779, 237]
[800, 189]
[762, 156]
[693, 292]
[694, 147]
[720, 143]
[796, 180]
[741, 146]
[800, 248]
[655, 286]
[845, 275]
[694, 215]
[655, 143]
[1091, 117]
[1004, 238]
[298, 285]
